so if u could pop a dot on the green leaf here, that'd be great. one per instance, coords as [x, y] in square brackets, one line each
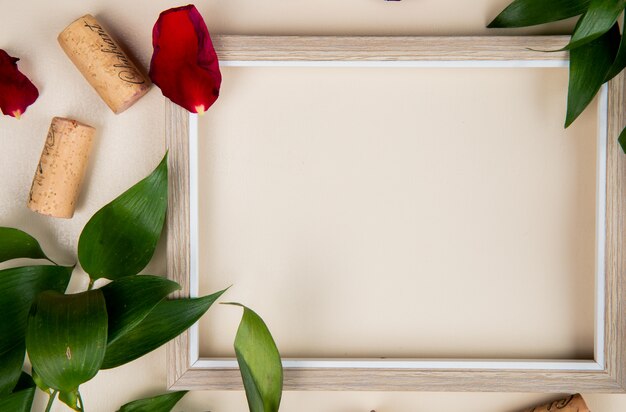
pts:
[120, 239]
[599, 19]
[11, 363]
[15, 244]
[622, 140]
[129, 300]
[161, 403]
[66, 337]
[589, 65]
[522, 13]
[259, 363]
[620, 60]
[40, 383]
[167, 320]
[19, 287]
[70, 399]
[21, 401]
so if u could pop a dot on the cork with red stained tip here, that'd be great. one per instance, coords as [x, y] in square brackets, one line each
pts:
[61, 168]
[573, 403]
[101, 60]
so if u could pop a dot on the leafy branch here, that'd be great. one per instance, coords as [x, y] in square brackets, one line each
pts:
[70, 337]
[597, 49]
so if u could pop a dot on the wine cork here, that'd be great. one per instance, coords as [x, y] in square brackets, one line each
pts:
[104, 64]
[61, 168]
[573, 403]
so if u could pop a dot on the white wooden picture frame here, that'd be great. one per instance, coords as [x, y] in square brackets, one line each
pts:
[605, 373]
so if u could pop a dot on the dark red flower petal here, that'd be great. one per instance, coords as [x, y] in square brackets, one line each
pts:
[184, 64]
[16, 91]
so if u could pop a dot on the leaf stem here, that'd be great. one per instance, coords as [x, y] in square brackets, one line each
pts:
[51, 400]
[80, 399]
[91, 283]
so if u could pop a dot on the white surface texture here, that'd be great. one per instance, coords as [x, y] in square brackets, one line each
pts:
[129, 145]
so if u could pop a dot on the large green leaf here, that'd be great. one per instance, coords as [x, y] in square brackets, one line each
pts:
[70, 399]
[622, 140]
[120, 239]
[167, 320]
[620, 60]
[161, 403]
[66, 337]
[522, 13]
[599, 19]
[21, 401]
[18, 289]
[589, 65]
[11, 363]
[15, 244]
[259, 363]
[129, 300]
[40, 383]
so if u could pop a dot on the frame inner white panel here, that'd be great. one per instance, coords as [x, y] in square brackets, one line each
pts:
[442, 364]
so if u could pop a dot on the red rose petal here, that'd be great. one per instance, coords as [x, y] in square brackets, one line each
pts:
[16, 91]
[184, 64]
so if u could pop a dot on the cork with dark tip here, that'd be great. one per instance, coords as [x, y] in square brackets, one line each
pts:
[103, 63]
[573, 403]
[61, 168]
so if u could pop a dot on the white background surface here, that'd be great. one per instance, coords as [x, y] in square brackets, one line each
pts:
[130, 145]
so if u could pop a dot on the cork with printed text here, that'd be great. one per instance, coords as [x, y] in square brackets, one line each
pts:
[105, 65]
[61, 168]
[573, 403]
